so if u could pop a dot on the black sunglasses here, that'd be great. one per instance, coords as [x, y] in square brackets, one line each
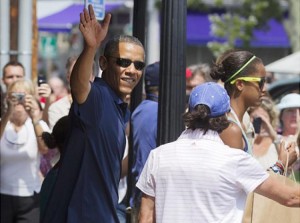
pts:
[123, 62]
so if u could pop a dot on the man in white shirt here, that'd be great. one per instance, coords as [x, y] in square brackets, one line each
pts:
[199, 179]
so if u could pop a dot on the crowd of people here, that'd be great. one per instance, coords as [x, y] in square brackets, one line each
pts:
[64, 148]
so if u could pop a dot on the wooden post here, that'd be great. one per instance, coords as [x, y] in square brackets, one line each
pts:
[14, 26]
[34, 42]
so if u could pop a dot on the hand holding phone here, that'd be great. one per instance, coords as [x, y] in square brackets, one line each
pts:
[257, 124]
[41, 80]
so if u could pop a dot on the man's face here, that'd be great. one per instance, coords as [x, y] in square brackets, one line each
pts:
[12, 74]
[121, 78]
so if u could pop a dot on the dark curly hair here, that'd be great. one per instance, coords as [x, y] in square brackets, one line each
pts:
[230, 62]
[199, 119]
[57, 138]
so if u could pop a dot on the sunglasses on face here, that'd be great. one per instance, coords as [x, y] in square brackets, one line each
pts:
[261, 80]
[124, 62]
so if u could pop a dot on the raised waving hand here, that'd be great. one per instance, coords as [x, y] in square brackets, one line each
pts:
[93, 31]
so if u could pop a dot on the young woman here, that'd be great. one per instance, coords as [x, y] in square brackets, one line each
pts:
[243, 75]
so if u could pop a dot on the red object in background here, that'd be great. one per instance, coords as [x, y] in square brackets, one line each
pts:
[188, 73]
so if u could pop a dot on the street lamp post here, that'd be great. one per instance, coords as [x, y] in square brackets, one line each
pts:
[172, 71]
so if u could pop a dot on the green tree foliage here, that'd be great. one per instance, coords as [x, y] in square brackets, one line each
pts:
[239, 22]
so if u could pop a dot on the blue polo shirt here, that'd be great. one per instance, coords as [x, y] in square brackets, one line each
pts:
[144, 128]
[87, 184]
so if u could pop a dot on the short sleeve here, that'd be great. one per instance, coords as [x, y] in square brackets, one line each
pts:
[250, 173]
[146, 182]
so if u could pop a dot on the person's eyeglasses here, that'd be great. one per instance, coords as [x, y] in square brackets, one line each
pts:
[261, 80]
[124, 62]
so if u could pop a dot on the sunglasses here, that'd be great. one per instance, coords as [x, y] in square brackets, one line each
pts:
[123, 62]
[261, 80]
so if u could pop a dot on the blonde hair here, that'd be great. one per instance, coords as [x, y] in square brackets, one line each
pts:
[26, 84]
[268, 105]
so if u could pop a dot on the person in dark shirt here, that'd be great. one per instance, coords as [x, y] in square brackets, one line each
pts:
[86, 189]
[144, 128]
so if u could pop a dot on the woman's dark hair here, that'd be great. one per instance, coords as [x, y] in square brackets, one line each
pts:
[199, 119]
[57, 138]
[230, 62]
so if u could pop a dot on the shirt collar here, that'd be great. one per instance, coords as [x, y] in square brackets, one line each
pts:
[197, 134]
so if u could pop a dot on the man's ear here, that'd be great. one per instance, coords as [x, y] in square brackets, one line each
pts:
[103, 62]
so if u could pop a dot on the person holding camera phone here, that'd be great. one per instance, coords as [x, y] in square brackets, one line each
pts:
[11, 72]
[21, 147]
[266, 145]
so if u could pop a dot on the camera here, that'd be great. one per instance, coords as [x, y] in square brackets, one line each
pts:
[19, 96]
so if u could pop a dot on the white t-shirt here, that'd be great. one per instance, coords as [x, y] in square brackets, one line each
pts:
[199, 179]
[269, 159]
[20, 160]
[58, 109]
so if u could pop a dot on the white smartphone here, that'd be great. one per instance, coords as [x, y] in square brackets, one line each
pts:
[98, 6]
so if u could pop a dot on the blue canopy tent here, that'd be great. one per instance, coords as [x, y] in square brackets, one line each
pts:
[64, 20]
[198, 33]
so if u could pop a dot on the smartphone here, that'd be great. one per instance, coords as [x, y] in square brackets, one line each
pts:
[20, 96]
[257, 124]
[41, 80]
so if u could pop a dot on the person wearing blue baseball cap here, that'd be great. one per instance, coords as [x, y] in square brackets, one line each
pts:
[197, 178]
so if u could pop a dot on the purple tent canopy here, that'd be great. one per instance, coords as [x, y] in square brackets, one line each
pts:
[198, 33]
[63, 21]
[198, 27]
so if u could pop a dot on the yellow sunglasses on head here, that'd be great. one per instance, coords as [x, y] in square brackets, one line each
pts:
[261, 80]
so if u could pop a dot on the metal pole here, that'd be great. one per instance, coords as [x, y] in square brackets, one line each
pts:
[139, 23]
[4, 32]
[25, 35]
[172, 71]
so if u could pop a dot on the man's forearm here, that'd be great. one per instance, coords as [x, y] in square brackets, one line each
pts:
[79, 81]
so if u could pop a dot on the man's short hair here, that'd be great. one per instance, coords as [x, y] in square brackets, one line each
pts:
[112, 45]
[13, 63]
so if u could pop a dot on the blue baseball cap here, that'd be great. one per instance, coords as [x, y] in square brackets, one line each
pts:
[152, 75]
[213, 95]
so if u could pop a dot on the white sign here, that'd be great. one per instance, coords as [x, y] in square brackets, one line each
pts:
[98, 6]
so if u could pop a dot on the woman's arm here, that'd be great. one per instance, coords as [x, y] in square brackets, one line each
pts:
[34, 112]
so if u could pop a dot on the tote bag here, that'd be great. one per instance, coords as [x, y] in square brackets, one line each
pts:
[260, 209]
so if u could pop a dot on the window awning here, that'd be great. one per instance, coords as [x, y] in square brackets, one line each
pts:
[198, 25]
[198, 33]
[64, 19]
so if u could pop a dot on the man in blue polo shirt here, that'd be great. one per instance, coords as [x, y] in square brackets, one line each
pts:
[86, 190]
[144, 128]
